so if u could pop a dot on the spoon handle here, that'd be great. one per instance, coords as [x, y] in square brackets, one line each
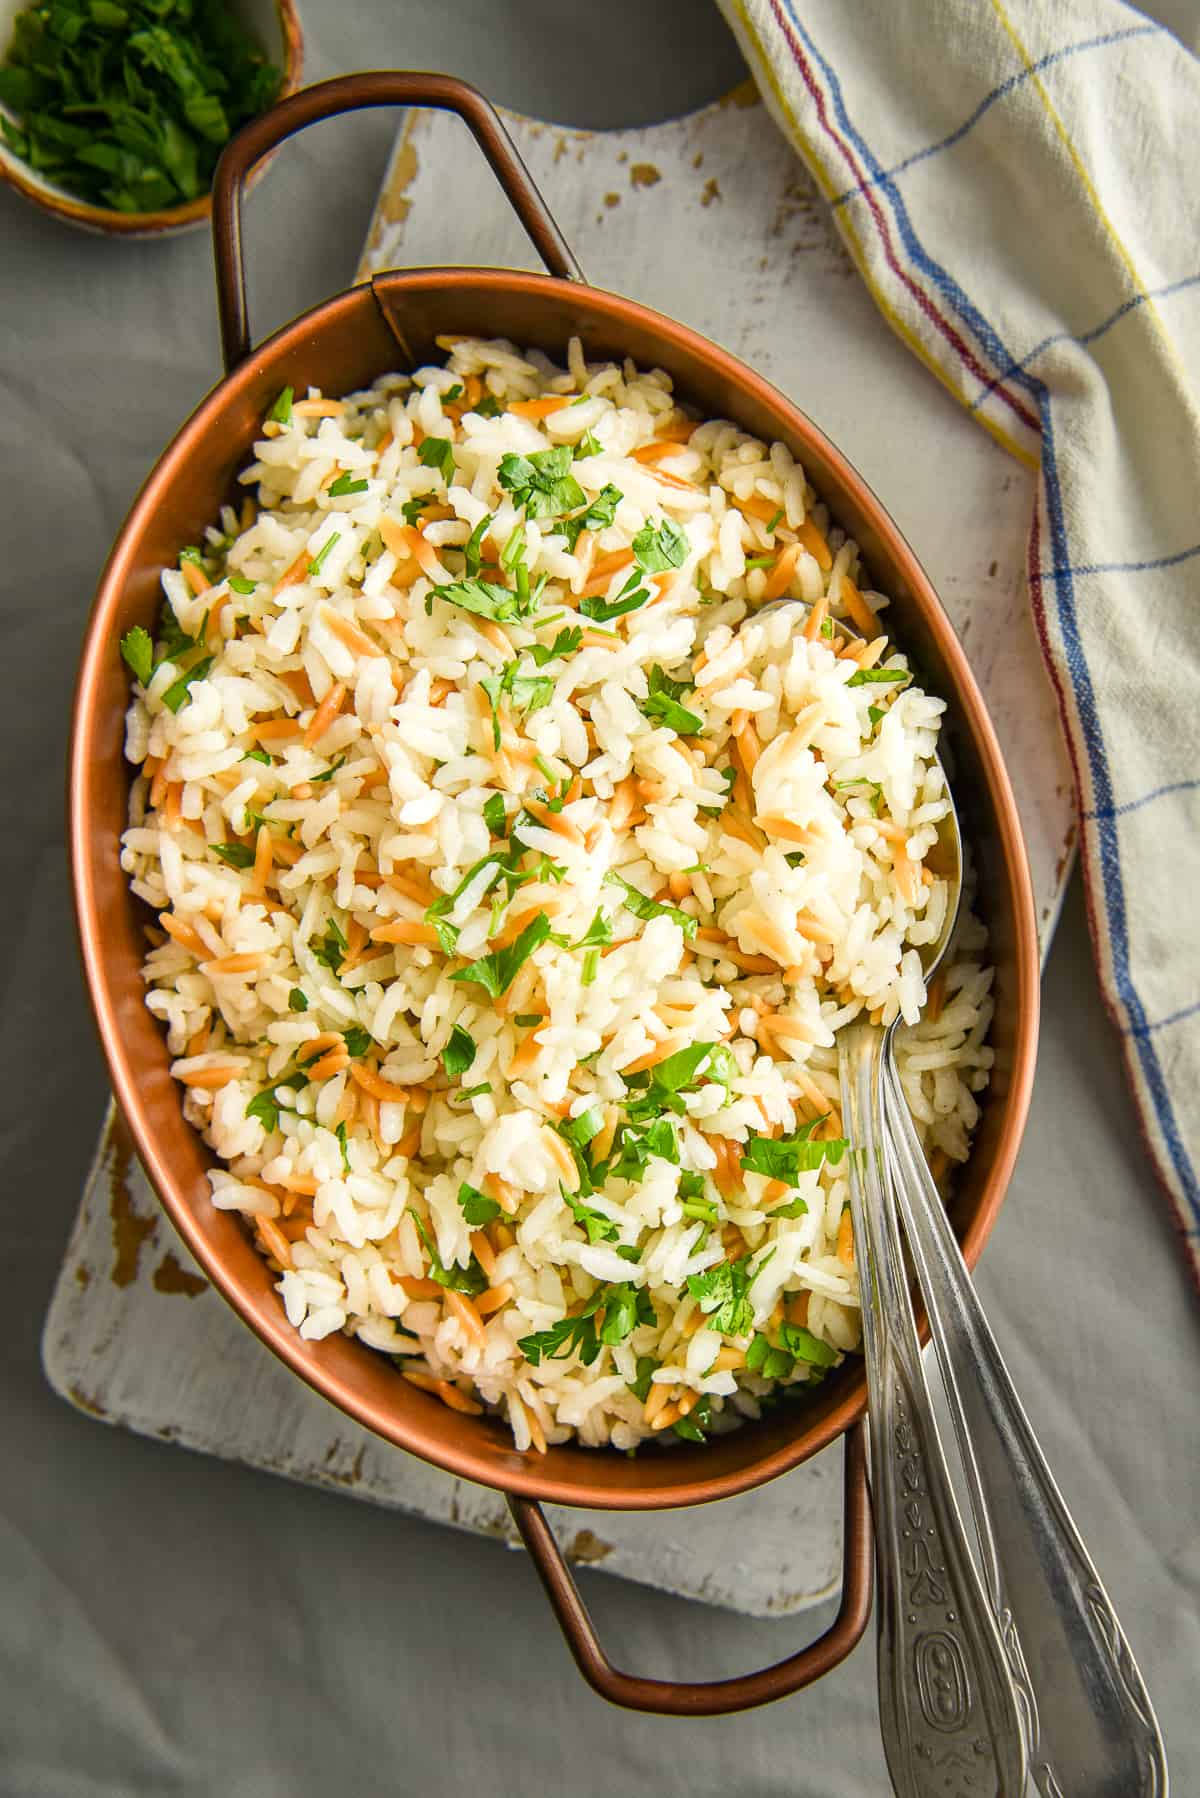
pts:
[948, 1712]
[1091, 1725]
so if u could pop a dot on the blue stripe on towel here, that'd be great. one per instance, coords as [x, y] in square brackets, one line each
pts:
[998, 93]
[1063, 578]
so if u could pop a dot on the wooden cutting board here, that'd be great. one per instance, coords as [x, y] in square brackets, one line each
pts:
[712, 219]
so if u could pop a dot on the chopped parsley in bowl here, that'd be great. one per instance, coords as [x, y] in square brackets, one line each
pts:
[114, 112]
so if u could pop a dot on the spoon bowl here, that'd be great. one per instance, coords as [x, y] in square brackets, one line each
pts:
[946, 859]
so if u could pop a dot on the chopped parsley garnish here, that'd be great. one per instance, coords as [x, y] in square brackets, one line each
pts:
[319, 560]
[138, 650]
[495, 814]
[700, 1207]
[722, 1294]
[357, 1040]
[870, 790]
[773, 523]
[453, 393]
[591, 964]
[762, 1357]
[177, 692]
[528, 1020]
[642, 906]
[344, 1145]
[500, 866]
[589, 445]
[345, 485]
[473, 547]
[485, 599]
[796, 1207]
[806, 1347]
[668, 1079]
[794, 857]
[488, 407]
[570, 1335]
[513, 553]
[599, 931]
[173, 640]
[543, 482]
[778, 1362]
[316, 780]
[332, 949]
[662, 703]
[624, 1306]
[633, 1149]
[477, 1208]
[786, 1157]
[640, 1385]
[596, 1224]
[526, 693]
[239, 584]
[265, 1107]
[582, 1129]
[760, 562]
[470, 1280]
[459, 1052]
[564, 644]
[630, 599]
[237, 855]
[869, 677]
[297, 1000]
[438, 452]
[877, 714]
[495, 973]
[697, 1421]
[656, 550]
[413, 508]
[281, 411]
[597, 517]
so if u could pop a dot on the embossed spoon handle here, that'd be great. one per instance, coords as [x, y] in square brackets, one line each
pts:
[947, 1706]
[1092, 1729]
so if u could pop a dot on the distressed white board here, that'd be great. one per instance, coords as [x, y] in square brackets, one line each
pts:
[711, 219]
[136, 1336]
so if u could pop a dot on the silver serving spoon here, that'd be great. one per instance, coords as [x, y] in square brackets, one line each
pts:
[1096, 1735]
[948, 1709]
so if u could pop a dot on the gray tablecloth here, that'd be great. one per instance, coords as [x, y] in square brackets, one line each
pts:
[171, 1625]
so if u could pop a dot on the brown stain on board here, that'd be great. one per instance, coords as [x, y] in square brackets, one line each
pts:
[394, 203]
[644, 174]
[350, 1476]
[83, 1277]
[712, 191]
[612, 199]
[171, 1276]
[587, 1547]
[85, 1402]
[129, 1228]
[1060, 866]
[743, 95]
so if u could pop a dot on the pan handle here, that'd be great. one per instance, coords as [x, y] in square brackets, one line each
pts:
[351, 93]
[714, 1698]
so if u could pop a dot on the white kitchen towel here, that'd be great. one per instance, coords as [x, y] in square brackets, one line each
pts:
[1019, 184]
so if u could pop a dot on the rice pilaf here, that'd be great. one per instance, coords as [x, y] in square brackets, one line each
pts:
[512, 878]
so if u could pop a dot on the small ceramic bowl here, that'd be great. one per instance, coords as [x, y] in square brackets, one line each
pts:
[274, 24]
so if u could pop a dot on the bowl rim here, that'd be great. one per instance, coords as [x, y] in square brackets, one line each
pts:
[514, 1474]
[166, 220]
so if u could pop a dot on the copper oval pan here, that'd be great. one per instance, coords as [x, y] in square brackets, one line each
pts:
[345, 344]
